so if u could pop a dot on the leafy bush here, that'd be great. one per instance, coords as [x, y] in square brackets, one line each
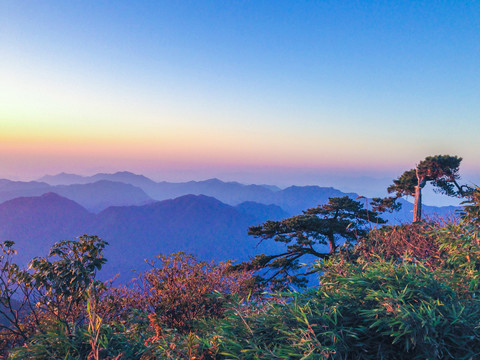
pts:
[113, 343]
[62, 279]
[53, 296]
[180, 290]
[470, 213]
[14, 303]
[374, 310]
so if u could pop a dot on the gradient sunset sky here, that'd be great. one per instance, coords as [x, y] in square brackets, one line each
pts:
[258, 91]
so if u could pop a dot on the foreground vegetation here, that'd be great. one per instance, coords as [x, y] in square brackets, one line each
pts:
[398, 292]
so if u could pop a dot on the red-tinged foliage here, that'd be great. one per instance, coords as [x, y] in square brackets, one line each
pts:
[51, 292]
[411, 242]
[179, 290]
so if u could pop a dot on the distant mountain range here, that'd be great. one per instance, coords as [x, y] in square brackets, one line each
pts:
[293, 199]
[232, 193]
[141, 218]
[199, 224]
[100, 191]
[95, 196]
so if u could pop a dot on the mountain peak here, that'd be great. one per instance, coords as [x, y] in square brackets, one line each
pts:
[124, 176]
[63, 178]
[213, 181]
[129, 173]
[118, 173]
[47, 200]
[52, 195]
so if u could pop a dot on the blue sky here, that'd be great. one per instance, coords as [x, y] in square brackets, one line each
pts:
[261, 91]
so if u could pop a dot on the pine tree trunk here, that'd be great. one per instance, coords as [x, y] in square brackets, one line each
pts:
[331, 242]
[417, 208]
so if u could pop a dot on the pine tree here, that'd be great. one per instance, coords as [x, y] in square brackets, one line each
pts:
[440, 170]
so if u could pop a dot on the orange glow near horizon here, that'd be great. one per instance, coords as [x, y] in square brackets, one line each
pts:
[42, 146]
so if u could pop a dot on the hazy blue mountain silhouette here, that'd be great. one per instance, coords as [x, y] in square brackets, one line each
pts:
[95, 196]
[13, 189]
[261, 212]
[293, 199]
[232, 193]
[121, 176]
[200, 225]
[102, 194]
[35, 223]
[65, 179]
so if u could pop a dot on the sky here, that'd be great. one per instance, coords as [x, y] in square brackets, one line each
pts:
[277, 92]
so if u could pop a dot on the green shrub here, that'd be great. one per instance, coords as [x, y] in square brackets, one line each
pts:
[374, 310]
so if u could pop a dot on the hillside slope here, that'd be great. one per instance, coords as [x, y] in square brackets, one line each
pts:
[200, 225]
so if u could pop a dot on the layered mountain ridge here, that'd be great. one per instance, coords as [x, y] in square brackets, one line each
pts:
[208, 218]
[196, 224]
